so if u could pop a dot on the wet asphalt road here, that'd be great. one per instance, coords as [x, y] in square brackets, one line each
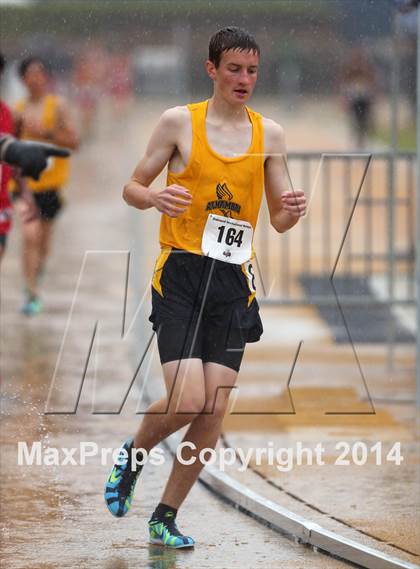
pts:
[53, 516]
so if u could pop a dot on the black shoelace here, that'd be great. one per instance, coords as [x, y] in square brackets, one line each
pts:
[128, 479]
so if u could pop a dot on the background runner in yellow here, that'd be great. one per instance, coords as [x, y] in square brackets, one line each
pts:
[57, 174]
[45, 117]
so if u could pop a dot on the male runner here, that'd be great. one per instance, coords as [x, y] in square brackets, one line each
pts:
[220, 154]
[29, 157]
[42, 117]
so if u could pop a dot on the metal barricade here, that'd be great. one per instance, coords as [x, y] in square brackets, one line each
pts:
[359, 231]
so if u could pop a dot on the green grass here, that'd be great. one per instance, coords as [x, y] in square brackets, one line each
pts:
[406, 137]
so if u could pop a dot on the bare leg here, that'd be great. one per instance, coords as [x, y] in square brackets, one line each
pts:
[186, 396]
[45, 241]
[204, 432]
[31, 254]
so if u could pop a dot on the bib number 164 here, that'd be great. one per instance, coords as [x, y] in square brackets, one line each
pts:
[230, 236]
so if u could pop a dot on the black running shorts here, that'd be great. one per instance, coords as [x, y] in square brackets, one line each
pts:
[200, 310]
[49, 203]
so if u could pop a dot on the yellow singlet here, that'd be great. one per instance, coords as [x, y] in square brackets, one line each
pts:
[57, 174]
[231, 187]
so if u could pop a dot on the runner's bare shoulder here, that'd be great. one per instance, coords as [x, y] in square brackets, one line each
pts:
[273, 137]
[175, 125]
[62, 105]
[177, 117]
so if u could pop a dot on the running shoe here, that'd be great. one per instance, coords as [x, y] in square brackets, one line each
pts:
[166, 533]
[32, 306]
[119, 487]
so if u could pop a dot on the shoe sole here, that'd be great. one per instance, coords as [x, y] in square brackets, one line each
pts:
[160, 542]
[27, 311]
[116, 515]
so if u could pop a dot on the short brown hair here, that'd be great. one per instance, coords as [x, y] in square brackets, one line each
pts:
[231, 38]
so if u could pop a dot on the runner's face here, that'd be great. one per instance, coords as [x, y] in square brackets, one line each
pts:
[236, 75]
[36, 78]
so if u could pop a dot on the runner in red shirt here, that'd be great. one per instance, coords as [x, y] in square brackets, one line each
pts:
[6, 127]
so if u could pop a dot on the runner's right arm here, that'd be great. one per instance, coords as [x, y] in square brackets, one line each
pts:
[172, 200]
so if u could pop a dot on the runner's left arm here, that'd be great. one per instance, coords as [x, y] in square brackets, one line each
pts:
[286, 206]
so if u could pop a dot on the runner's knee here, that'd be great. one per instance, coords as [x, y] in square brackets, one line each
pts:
[189, 402]
[217, 408]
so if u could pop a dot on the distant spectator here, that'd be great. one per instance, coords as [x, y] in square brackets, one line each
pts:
[89, 76]
[120, 83]
[358, 85]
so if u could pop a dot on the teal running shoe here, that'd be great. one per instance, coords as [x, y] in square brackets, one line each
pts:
[166, 533]
[32, 306]
[119, 487]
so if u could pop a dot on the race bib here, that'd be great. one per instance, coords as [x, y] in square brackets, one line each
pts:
[227, 239]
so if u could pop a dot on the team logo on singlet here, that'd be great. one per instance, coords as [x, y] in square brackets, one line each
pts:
[224, 201]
